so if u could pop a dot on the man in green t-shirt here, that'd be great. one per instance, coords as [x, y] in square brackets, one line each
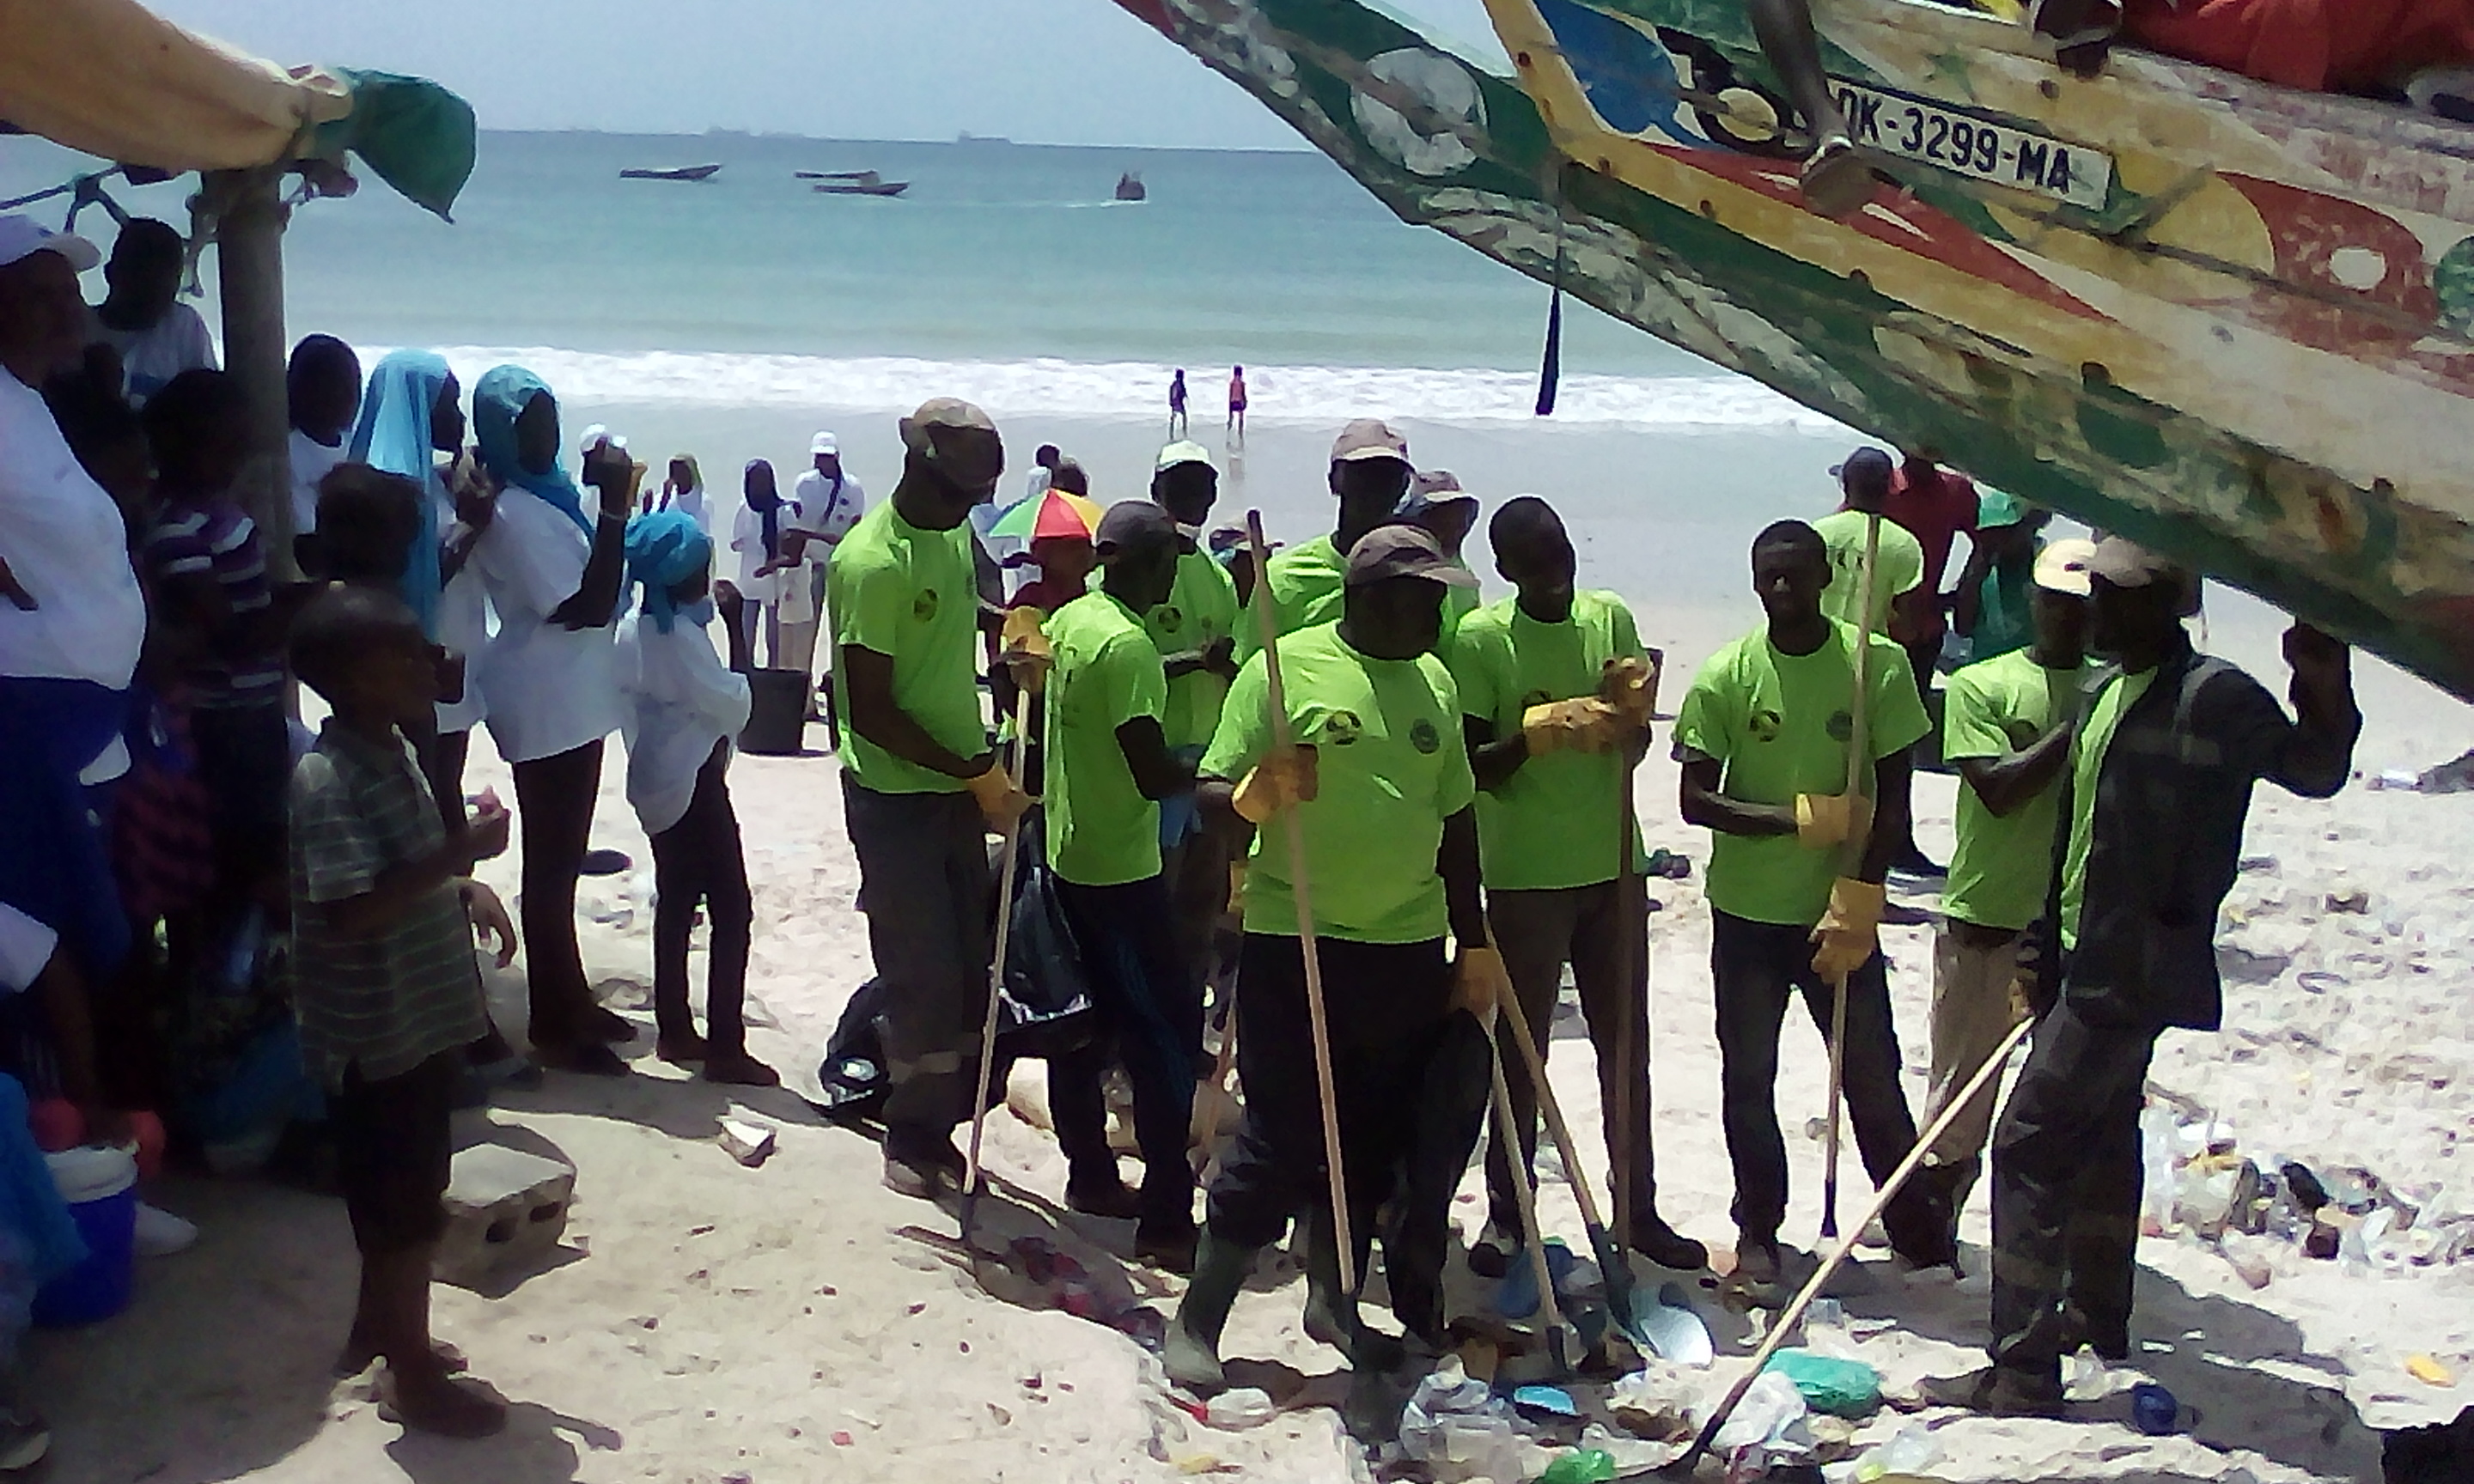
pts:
[1553, 759]
[1377, 786]
[2006, 728]
[1764, 737]
[1990, 608]
[1370, 473]
[1437, 502]
[1195, 631]
[1108, 768]
[920, 785]
[1903, 601]
[2160, 781]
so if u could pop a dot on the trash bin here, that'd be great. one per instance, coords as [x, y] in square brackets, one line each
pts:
[777, 713]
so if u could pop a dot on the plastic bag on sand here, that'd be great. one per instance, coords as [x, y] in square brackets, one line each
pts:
[1240, 1408]
[1454, 1425]
[1768, 1424]
[1841, 1388]
[1656, 1403]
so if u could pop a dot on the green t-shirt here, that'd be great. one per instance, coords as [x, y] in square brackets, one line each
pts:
[2087, 765]
[2005, 618]
[1102, 831]
[1392, 765]
[1779, 724]
[911, 596]
[1549, 825]
[1902, 570]
[1995, 707]
[1458, 604]
[1202, 607]
[1304, 583]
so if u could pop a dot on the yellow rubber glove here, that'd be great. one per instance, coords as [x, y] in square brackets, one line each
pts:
[1825, 820]
[1584, 724]
[1850, 932]
[1023, 645]
[1001, 802]
[1631, 687]
[1481, 984]
[1285, 777]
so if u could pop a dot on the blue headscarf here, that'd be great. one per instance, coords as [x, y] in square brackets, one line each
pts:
[394, 435]
[501, 397]
[665, 549]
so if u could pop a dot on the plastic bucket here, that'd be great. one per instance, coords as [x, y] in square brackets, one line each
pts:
[101, 1188]
[777, 713]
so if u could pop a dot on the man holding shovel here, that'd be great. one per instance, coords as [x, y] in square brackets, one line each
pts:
[1553, 757]
[920, 785]
[1764, 737]
[1378, 786]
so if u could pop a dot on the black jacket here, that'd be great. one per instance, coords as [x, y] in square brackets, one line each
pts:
[2165, 839]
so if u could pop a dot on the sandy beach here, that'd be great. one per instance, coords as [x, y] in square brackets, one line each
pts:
[709, 1322]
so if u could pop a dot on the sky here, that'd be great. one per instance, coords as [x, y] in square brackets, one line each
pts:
[1036, 71]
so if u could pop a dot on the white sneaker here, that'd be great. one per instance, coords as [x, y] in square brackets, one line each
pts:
[160, 1234]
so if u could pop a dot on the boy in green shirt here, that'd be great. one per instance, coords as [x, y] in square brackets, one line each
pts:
[1763, 736]
[1108, 768]
[920, 785]
[1553, 762]
[1195, 631]
[1903, 601]
[1378, 784]
[2006, 729]
[1370, 473]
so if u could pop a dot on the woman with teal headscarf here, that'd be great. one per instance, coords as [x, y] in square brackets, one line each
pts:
[552, 563]
[685, 712]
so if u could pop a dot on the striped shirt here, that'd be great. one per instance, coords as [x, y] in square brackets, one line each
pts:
[214, 538]
[391, 1000]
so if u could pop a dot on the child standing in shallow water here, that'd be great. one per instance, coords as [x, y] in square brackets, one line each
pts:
[385, 983]
[684, 709]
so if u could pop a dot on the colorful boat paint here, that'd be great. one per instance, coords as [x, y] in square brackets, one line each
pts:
[2229, 320]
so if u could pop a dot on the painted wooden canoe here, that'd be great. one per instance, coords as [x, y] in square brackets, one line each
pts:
[2226, 319]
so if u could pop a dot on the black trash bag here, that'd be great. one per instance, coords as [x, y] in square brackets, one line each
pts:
[853, 1073]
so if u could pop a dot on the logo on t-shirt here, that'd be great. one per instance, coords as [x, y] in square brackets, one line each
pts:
[1342, 728]
[1842, 727]
[924, 607]
[1765, 726]
[1169, 616]
[1424, 736]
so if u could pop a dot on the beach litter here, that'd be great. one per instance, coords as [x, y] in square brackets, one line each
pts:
[748, 1142]
[1828, 1383]
[1239, 1409]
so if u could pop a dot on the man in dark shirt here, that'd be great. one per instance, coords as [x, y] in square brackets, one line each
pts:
[2160, 774]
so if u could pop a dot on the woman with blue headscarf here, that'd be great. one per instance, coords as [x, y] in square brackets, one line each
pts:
[685, 710]
[552, 562]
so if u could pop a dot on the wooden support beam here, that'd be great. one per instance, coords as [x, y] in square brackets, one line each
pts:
[250, 262]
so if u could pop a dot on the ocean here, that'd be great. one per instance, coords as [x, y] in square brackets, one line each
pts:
[1005, 272]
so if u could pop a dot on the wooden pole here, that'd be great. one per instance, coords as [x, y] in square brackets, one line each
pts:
[248, 257]
[1524, 1197]
[1011, 856]
[1303, 892]
[1858, 764]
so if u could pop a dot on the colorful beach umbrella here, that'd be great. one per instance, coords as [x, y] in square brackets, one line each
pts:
[1054, 513]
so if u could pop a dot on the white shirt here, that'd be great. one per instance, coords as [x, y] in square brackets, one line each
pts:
[312, 461]
[681, 699]
[1037, 485]
[551, 689]
[463, 619]
[747, 539]
[24, 948]
[153, 356]
[63, 539]
[825, 514]
[690, 502]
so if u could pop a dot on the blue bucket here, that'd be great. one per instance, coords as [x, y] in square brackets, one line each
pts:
[101, 1188]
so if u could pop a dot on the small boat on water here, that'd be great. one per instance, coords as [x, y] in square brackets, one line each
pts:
[679, 173]
[1129, 187]
[853, 182]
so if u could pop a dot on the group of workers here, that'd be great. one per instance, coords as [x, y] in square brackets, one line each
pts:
[1430, 804]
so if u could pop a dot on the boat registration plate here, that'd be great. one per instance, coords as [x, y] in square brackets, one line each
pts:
[1912, 128]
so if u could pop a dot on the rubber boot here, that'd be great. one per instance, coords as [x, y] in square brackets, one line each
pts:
[1331, 1314]
[1191, 1354]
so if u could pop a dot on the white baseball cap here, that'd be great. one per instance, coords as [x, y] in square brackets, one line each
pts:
[824, 442]
[1187, 452]
[22, 236]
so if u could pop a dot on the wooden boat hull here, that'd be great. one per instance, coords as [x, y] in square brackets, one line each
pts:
[880, 188]
[683, 173]
[2249, 349]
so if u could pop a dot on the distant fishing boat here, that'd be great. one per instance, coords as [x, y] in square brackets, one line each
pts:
[1129, 187]
[853, 182]
[680, 173]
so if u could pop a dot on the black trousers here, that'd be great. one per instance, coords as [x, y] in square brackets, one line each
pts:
[1757, 968]
[1152, 1016]
[929, 900]
[1538, 932]
[1387, 1005]
[699, 860]
[2066, 1185]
